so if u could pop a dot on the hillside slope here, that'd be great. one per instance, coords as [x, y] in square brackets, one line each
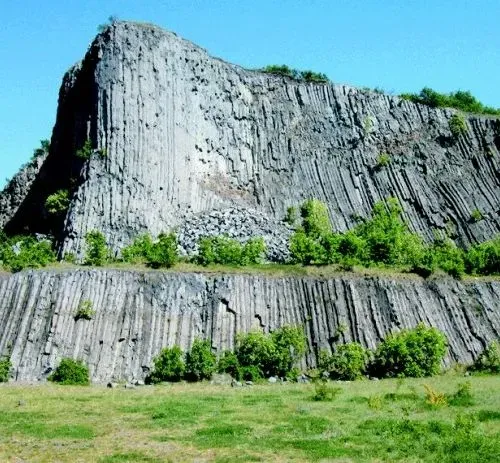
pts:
[181, 133]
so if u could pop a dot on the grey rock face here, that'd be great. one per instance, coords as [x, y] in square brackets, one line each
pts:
[139, 313]
[15, 192]
[185, 134]
[239, 224]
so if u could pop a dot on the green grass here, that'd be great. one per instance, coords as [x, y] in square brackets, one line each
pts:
[387, 420]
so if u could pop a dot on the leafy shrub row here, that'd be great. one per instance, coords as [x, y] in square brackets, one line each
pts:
[284, 70]
[462, 100]
[416, 352]
[228, 251]
[257, 355]
[19, 252]
[384, 239]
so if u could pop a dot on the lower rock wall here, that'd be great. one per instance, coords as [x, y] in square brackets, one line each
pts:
[138, 313]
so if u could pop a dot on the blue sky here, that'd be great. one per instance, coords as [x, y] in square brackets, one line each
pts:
[399, 45]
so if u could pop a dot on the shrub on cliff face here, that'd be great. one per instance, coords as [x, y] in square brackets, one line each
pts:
[416, 352]
[457, 125]
[71, 372]
[58, 202]
[484, 258]
[96, 250]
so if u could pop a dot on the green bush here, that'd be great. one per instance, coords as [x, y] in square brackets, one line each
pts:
[58, 202]
[416, 352]
[168, 365]
[289, 347]
[476, 215]
[86, 151]
[227, 251]
[348, 362]
[286, 71]
[457, 125]
[484, 258]
[200, 361]
[85, 311]
[305, 249]
[489, 360]
[274, 354]
[139, 251]
[96, 250]
[255, 349]
[228, 363]
[383, 160]
[21, 252]
[315, 220]
[163, 252]
[71, 372]
[444, 254]
[5, 367]
[250, 373]
[462, 100]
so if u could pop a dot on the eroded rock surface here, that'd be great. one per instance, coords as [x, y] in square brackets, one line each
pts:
[138, 313]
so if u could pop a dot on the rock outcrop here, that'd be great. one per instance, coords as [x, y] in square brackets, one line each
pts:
[182, 133]
[17, 189]
[138, 313]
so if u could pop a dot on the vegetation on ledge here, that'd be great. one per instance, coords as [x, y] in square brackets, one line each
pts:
[462, 100]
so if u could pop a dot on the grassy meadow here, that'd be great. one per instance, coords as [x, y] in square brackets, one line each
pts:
[388, 420]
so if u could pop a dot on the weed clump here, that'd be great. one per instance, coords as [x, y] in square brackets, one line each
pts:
[85, 311]
[325, 392]
[489, 360]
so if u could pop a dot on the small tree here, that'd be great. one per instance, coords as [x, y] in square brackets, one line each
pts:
[416, 352]
[96, 250]
[168, 366]
[71, 372]
[200, 361]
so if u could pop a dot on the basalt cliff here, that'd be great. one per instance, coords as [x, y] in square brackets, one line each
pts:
[177, 139]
